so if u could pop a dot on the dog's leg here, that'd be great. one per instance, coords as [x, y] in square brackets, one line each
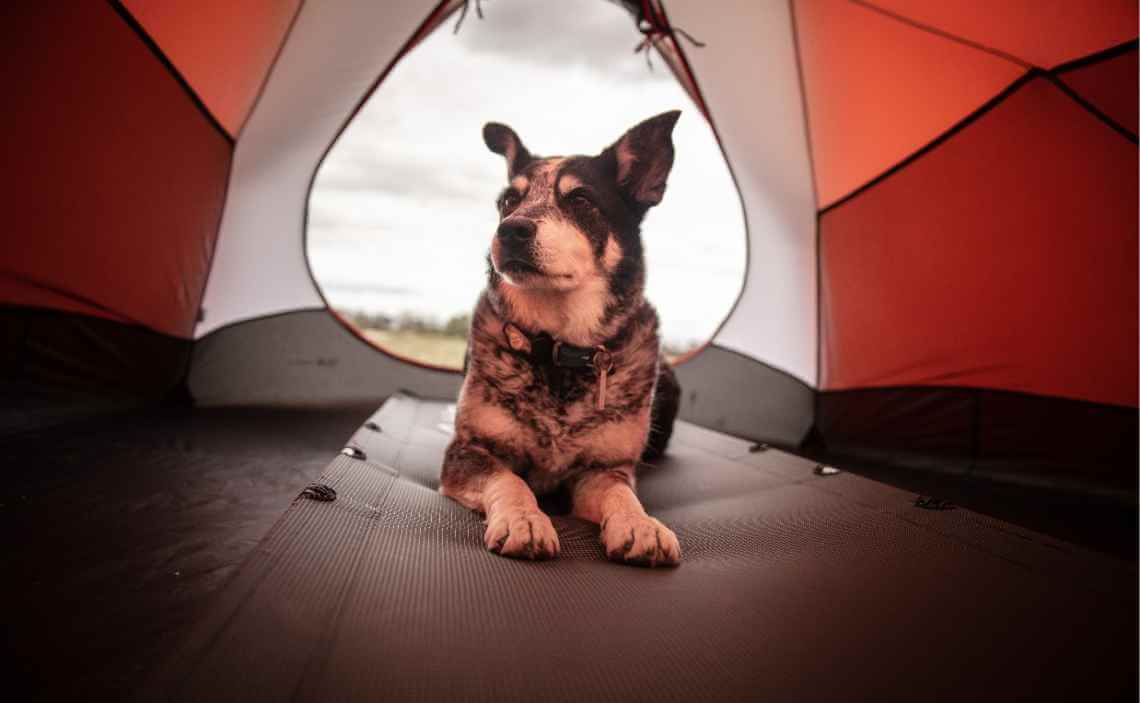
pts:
[629, 535]
[666, 403]
[482, 482]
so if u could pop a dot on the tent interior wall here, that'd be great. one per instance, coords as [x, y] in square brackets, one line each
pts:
[940, 202]
[913, 246]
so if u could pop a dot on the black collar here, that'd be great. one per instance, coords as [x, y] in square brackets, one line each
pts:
[546, 350]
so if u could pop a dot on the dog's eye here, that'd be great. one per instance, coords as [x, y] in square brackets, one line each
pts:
[509, 200]
[580, 198]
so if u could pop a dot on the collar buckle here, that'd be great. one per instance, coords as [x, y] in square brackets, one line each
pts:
[562, 355]
[603, 360]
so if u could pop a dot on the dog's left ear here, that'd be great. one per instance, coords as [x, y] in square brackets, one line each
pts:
[502, 140]
[644, 156]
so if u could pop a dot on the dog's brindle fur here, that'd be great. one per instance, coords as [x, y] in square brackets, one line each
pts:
[567, 262]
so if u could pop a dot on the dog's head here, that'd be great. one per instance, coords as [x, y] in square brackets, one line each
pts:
[567, 222]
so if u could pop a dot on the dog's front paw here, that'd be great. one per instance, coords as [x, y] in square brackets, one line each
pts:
[522, 535]
[639, 539]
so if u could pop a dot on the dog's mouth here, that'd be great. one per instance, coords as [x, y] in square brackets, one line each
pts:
[518, 267]
[519, 272]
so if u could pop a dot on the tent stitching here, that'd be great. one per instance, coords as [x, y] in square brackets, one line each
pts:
[436, 17]
[272, 66]
[943, 33]
[201, 313]
[1110, 53]
[765, 364]
[258, 318]
[702, 105]
[815, 202]
[116, 315]
[975, 115]
[940, 139]
[1006, 391]
[157, 52]
[416, 37]
[1091, 60]
[1092, 109]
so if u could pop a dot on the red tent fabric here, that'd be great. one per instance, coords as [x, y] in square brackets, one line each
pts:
[941, 202]
[115, 177]
[1019, 229]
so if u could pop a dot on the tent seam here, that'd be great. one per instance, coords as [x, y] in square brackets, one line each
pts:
[703, 106]
[272, 67]
[125, 322]
[958, 126]
[433, 20]
[1033, 72]
[765, 364]
[931, 29]
[815, 202]
[117, 316]
[231, 141]
[149, 42]
[1096, 57]
[257, 318]
[1090, 108]
[201, 312]
[1055, 76]
[971, 388]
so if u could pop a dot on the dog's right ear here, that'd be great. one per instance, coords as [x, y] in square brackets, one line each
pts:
[502, 140]
[644, 157]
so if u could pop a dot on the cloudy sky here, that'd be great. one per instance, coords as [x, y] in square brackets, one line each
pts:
[402, 211]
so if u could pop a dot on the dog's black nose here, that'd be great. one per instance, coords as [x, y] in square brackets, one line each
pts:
[516, 230]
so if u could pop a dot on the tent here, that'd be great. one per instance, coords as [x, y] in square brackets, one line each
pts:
[941, 210]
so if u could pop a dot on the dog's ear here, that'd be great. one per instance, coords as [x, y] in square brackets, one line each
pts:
[502, 140]
[644, 156]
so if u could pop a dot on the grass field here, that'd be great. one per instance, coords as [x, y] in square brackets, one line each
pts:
[425, 347]
[443, 349]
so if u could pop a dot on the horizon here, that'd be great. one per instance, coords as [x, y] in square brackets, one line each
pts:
[411, 169]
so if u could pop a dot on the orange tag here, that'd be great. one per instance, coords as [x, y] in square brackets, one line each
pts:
[516, 338]
[603, 362]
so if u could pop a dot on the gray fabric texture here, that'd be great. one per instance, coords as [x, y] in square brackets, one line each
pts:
[794, 586]
[303, 358]
[309, 358]
[729, 392]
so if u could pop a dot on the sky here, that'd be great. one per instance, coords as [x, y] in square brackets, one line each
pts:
[402, 211]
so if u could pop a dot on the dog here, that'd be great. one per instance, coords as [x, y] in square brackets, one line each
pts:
[564, 382]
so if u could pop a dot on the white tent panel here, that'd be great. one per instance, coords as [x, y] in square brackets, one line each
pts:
[748, 75]
[333, 54]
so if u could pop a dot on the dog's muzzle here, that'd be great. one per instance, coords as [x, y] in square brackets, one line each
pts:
[516, 230]
[516, 237]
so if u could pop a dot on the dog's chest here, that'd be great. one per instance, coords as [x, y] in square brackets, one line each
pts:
[558, 412]
[553, 418]
[560, 445]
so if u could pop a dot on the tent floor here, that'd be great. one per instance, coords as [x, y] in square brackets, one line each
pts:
[120, 527]
[794, 586]
[135, 539]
